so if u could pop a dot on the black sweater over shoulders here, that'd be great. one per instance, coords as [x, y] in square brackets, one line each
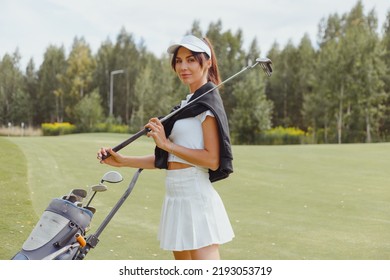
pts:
[211, 101]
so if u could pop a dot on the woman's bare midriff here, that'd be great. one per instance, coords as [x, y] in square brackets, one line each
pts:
[172, 165]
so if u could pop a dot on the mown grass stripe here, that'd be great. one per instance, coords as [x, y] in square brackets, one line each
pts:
[17, 215]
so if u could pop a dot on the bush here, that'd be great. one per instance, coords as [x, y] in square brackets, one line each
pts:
[118, 128]
[110, 127]
[282, 136]
[51, 129]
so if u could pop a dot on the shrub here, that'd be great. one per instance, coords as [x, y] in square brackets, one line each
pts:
[110, 127]
[282, 136]
[51, 129]
[118, 128]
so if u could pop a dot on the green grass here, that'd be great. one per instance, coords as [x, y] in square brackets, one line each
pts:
[17, 219]
[285, 202]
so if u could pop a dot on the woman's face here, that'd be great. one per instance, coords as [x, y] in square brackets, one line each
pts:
[189, 70]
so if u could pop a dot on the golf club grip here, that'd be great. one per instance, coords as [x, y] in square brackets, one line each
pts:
[127, 142]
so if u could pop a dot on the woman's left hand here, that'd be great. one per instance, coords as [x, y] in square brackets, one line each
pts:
[157, 132]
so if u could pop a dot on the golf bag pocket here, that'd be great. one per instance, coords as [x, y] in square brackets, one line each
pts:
[54, 236]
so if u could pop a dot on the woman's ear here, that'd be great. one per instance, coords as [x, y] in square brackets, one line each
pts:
[209, 63]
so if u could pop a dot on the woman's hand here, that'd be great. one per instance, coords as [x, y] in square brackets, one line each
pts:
[115, 159]
[157, 132]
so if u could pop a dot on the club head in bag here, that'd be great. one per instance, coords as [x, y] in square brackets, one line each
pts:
[90, 208]
[112, 177]
[99, 188]
[79, 192]
[71, 198]
[95, 189]
[76, 195]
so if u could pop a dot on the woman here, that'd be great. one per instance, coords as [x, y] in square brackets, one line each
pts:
[194, 147]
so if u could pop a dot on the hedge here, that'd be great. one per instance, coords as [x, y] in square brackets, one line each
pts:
[51, 129]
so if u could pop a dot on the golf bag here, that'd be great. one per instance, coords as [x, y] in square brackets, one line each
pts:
[59, 233]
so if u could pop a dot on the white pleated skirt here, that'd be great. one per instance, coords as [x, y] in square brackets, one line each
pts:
[193, 215]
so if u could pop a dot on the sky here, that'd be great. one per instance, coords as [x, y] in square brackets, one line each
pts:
[32, 25]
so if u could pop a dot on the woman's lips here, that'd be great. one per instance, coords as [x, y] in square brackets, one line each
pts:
[185, 76]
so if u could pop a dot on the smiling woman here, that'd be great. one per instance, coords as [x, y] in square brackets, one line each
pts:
[193, 147]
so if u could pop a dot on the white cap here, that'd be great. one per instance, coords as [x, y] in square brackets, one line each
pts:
[192, 43]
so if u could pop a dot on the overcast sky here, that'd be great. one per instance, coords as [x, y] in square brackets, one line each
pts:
[33, 25]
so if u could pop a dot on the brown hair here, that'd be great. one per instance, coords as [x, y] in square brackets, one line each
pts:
[213, 71]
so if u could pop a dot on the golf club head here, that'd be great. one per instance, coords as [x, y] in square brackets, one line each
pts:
[79, 192]
[95, 189]
[266, 65]
[99, 188]
[71, 198]
[112, 177]
[90, 208]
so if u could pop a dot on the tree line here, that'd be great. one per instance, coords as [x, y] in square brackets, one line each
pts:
[336, 92]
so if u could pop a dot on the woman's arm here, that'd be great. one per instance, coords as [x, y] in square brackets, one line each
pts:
[207, 157]
[118, 160]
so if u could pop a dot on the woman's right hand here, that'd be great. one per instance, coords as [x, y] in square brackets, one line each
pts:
[115, 159]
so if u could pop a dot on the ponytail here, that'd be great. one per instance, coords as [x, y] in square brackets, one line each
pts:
[213, 74]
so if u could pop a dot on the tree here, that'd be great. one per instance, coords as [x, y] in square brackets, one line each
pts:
[104, 64]
[231, 58]
[88, 111]
[78, 76]
[364, 70]
[348, 77]
[13, 99]
[126, 57]
[49, 105]
[340, 92]
[328, 93]
[385, 56]
[252, 113]
[31, 89]
[283, 90]
[306, 65]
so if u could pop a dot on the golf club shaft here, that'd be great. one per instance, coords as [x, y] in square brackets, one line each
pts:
[118, 204]
[93, 195]
[145, 130]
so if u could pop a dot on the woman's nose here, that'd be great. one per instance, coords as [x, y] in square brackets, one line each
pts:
[183, 65]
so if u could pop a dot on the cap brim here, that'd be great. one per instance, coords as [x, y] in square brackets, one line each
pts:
[193, 48]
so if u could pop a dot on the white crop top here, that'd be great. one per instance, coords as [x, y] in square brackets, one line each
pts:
[188, 133]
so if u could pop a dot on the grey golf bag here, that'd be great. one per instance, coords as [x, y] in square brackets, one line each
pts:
[59, 232]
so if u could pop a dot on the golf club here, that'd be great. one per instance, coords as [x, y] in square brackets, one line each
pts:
[76, 195]
[266, 65]
[95, 189]
[110, 177]
[93, 239]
